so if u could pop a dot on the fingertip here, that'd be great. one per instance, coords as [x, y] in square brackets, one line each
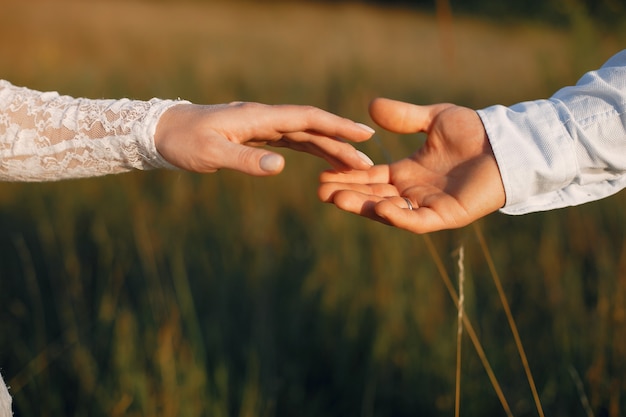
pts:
[365, 158]
[385, 208]
[325, 192]
[272, 163]
[340, 198]
[392, 115]
[366, 128]
[348, 133]
[376, 102]
[375, 109]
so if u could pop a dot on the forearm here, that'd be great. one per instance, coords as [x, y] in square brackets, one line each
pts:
[567, 150]
[46, 137]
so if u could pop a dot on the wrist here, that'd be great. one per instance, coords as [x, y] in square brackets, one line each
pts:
[166, 127]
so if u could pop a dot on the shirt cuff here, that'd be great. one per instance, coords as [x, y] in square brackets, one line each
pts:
[534, 152]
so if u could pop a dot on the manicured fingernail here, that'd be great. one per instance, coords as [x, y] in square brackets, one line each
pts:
[365, 158]
[271, 162]
[366, 128]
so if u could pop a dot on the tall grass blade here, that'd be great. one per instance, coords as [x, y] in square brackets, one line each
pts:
[581, 391]
[509, 316]
[468, 325]
[459, 333]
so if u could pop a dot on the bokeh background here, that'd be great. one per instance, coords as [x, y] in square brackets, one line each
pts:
[175, 294]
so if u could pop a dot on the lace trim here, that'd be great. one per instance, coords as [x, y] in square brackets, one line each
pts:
[47, 137]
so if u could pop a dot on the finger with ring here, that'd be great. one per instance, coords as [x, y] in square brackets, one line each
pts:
[408, 203]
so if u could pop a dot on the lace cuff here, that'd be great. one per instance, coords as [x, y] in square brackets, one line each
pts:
[47, 137]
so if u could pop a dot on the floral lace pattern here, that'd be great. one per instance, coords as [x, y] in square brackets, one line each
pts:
[47, 137]
[5, 400]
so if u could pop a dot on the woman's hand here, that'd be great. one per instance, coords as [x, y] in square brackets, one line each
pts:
[449, 182]
[207, 138]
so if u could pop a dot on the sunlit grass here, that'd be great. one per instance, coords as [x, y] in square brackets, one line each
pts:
[166, 293]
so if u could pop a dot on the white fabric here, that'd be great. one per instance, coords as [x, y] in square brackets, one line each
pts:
[567, 150]
[46, 136]
[5, 400]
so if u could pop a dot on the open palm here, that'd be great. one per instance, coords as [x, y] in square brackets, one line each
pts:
[450, 181]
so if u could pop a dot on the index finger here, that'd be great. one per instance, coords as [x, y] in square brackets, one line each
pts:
[288, 118]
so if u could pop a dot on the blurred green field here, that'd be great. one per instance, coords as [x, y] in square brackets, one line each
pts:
[174, 294]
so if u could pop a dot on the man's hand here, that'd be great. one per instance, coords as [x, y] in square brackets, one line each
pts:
[449, 182]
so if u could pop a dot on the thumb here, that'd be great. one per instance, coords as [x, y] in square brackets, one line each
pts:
[252, 161]
[271, 163]
[400, 117]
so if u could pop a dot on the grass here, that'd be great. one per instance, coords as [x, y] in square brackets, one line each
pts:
[166, 293]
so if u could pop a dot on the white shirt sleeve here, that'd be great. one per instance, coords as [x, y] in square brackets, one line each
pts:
[567, 150]
[45, 136]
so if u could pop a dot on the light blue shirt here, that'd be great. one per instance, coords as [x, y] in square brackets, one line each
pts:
[567, 150]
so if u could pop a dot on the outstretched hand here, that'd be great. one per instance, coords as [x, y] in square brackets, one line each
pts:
[451, 181]
[207, 138]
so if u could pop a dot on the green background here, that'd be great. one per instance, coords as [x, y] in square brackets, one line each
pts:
[174, 294]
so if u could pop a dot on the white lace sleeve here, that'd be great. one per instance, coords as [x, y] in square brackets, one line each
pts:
[46, 136]
[5, 400]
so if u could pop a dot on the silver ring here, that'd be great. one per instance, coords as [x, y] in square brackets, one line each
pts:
[408, 203]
